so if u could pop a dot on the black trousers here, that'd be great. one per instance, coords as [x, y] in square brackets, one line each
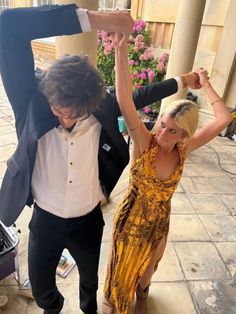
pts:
[49, 235]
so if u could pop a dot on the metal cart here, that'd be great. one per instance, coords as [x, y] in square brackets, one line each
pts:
[9, 262]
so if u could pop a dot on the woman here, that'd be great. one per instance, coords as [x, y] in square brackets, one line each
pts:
[141, 223]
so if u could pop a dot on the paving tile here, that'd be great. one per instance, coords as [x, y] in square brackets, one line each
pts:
[170, 298]
[221, 141]
[7, 139]
[7, 110]
[225, 157]
[220, 227]
[230, 202]
[181, 204]
[202, 185]
[3, 122]
[179, 188]
[2, 168]
[203, 158]
[218, 185]
[214, 297]
[16, 303]
[207, 169]
[188, 185]
[109, 208]
[107, 232]
[228, 253]
[6, 129]
[6, 151]
[200, 261]
[230, 167]
[187, 228]
[104, 258]
[189, 170]
[207, 203]
[2, 114]
[168, 268]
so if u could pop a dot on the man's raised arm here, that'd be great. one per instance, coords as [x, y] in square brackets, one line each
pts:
[152, 92]
[21, 25]
[17, 28]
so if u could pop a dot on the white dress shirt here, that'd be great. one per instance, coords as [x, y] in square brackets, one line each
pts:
[65, 179]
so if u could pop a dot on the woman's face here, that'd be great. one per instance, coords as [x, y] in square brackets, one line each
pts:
[167, 131]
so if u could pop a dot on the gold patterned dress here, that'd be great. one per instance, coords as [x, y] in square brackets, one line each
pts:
[139, 225]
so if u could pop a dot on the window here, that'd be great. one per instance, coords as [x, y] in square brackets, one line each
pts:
[109, 5]
[4, 4]
[37, 3]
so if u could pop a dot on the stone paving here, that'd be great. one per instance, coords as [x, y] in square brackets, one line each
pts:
[198, 271]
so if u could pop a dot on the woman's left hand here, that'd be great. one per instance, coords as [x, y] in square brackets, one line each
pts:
[117, 39]
[203, 76]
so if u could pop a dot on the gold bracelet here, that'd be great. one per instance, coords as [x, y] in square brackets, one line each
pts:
[135, 127]
[219, 99]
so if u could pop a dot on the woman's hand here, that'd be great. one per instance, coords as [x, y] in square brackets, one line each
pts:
[203, 76]
[117, 39]
[114, 21]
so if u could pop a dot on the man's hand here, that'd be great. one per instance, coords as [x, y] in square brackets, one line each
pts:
[115, 21]
[191, 79]
[203, 76]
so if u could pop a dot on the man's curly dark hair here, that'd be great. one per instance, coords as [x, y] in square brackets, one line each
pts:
[71, 82]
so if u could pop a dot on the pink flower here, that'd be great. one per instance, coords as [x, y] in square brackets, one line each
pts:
[105, 36]
[142, 57]
[139, 38]
[151, 75]
[139, 45]
[164, 58]
[161, 67]
[147, 55]
[131, 62]
[147, 109]
[143, 76]
[134, 76]
[108, 48]
[137, 85]
[139, 25]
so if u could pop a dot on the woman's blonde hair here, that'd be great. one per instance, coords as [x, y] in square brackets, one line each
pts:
[185, 113]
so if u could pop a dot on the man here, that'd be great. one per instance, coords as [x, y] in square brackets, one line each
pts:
[70, 152]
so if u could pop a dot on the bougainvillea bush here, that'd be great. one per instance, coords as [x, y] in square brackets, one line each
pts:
[144, 67]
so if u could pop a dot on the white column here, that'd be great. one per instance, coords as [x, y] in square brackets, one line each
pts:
[185, 39]
[225, 59]
[82, 43]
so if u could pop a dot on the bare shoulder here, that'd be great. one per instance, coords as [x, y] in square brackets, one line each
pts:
[140, 145]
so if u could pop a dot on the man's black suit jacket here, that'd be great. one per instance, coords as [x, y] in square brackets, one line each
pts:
[31, 109]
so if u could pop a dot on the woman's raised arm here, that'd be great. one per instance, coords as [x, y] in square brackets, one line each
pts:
[137, 130]
[221, 114]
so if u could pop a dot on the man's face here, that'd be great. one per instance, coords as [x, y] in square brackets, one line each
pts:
[66, 116]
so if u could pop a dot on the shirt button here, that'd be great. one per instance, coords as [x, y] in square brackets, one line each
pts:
[71, 143]
[71, 163]
[70, 181]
